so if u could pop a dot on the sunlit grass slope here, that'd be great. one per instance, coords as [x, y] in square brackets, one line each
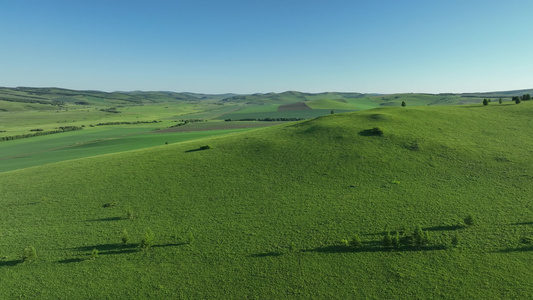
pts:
[260, 214]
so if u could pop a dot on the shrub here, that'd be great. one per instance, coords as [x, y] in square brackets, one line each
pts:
[387, 240]
[129, 214]
[526, 240]
[94, 254]
[420, 237]
[403, 104]
[395, 241]
[29, 254]
[190, 237]
[125, 237]
[485, 102]
[148, 240]
[414, 146]
[455, 240]
[469, 220]
[500, 100]
[206, 147]
[376, 131]
[355, 241]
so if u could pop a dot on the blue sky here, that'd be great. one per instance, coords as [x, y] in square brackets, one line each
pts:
[210, 46]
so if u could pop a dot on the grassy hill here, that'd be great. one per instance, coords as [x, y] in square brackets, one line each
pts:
[262, 214]
[51, 98]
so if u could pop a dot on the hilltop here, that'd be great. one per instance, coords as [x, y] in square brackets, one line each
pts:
[262, 213]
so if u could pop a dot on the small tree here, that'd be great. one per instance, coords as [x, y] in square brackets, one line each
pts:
[387, 240]
[485, 102]
[355, 242]
[94, 254]
[516, 99]
[500, 101]
[29, 254]
[403, 104]
[455, 240]
[396, 240]
[129, 214]
[376, 131]
[469, 220]
[420, 237]
[125, 237]
[148, 240]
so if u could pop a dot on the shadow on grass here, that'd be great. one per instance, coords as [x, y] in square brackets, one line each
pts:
[520, 249]
[10, 263]
[113, 249]
[107, 219]
[70, 260]
[444, 228]
[267, 254]
[522, 223]
[107, 249]
[433, 228]
[206, 147]
[371, 132]
[169, 245]
[367, 248]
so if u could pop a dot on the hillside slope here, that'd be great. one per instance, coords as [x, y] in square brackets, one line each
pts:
[261, 214]
[51, 98]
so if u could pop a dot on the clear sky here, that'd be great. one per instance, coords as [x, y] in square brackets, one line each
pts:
[220, 46]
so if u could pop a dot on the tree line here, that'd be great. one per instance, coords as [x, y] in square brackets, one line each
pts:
[125, 123]
[39, 133]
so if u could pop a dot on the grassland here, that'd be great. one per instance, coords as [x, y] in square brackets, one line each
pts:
[261, 214]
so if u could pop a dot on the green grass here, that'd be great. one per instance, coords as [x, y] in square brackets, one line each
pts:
[329, 104]
[41, 150]
[306, 114]
[261, 214]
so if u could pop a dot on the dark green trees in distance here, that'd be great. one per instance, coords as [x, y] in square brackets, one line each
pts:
[524, 97]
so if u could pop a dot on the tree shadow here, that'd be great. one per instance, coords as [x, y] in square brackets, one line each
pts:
[113, 249]
[267, 254]
[371, 132]
[373, 248]
[444, 228]
[206, 147]
[432, 228]
[169, 245]
[10, 263]
[522, 223]
[107, 249]
[70, 260]
[107, 219]
[520, 249]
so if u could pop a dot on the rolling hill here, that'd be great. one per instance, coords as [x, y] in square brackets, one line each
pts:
[262, 214]
[50, 98]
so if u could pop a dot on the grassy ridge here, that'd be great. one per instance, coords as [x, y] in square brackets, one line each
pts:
[260, 214]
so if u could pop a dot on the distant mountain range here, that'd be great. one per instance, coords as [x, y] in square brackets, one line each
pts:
[59, 96]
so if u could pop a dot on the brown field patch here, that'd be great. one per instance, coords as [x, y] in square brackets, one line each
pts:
[294, 106]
